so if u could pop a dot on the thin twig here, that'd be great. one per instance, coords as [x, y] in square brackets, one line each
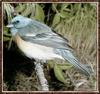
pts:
[40, 74]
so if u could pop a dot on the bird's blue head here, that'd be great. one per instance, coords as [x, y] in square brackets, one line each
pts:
[17, 23]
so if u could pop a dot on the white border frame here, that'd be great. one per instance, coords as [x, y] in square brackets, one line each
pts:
[97, 86]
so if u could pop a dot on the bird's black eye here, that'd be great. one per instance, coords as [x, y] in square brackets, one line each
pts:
[15, 22]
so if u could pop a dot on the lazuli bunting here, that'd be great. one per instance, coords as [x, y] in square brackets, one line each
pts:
[36, 40]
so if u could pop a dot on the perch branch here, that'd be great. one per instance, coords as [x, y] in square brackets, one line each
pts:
[40, 74]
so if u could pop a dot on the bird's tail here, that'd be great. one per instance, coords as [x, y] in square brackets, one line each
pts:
[67, 55]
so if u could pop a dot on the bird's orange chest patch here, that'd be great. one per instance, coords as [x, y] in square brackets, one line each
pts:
[18, 39]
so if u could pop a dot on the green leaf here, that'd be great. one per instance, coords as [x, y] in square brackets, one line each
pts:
[51, 64]
[67, 15]
[39, 13]
[20, 7]
[62, 15]
[6, 38]
[27, 10]
[5, 29]
[63, 6]
[59, 74]
[54, 7]
[65, 66]
[56, 19]
[77, 7]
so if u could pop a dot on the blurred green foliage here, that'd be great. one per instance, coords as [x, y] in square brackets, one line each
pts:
[75, 21]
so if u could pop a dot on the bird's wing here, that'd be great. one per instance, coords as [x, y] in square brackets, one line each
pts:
[39, 33]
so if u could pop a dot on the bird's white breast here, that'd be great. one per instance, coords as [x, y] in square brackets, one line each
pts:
[36, 51]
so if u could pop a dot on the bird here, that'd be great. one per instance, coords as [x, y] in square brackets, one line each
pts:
[38, 41]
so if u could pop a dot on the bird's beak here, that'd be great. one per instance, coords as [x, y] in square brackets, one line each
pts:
[10, 25]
